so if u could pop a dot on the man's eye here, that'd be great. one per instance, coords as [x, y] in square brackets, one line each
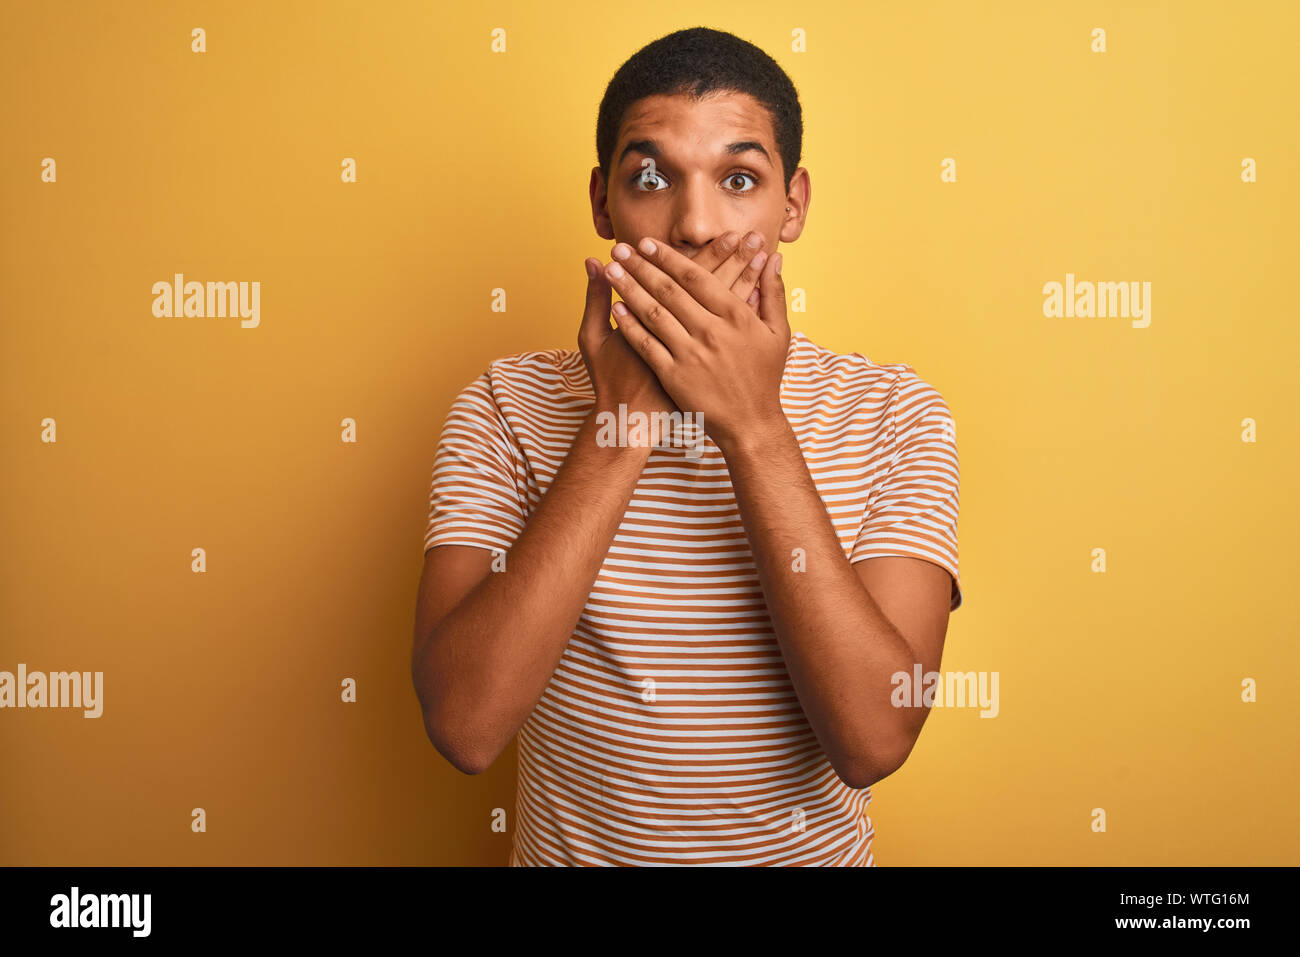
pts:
[644, 180]
[743, 176]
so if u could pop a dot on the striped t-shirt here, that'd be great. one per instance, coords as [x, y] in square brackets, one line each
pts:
[670, 732]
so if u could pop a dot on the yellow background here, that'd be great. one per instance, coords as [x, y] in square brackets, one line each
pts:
[221, 690]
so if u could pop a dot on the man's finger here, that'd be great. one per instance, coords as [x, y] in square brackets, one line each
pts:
[663, 306]
[673, 278]
[719, 251]
[732, 269]
[747, 282]
[595, 316]
[643, 342]
[771, 297]
[729, 258]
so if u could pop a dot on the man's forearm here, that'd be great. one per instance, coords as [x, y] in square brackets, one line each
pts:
[839, 648]
[488, 661]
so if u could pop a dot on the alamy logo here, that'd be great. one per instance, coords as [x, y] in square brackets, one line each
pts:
[1098, 300]
[102, 910]
[58, 689]
[948, 689]
[217, 300]
[639, 430]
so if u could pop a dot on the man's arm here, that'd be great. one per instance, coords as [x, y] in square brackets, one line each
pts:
[487, 643]
[844, 630]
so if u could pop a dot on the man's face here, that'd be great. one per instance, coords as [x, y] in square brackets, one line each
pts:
[716, 169]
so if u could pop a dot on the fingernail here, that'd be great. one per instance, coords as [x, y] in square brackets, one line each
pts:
[591, 270]
[759, 259]
[753, 240]
[620, 310]
[647, 246]
[614, 271]
[780, 260]
[622, 251]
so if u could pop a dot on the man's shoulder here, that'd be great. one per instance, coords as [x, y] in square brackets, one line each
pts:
[816, 370]
[539, 362]
[538, 376]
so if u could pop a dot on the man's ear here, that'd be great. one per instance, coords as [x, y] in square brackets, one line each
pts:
[798, 200]
[599, 213]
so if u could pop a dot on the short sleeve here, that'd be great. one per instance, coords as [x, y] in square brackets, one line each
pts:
[474, 496]
[912, 510]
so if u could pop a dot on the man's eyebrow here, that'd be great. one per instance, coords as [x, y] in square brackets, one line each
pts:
[651, 148]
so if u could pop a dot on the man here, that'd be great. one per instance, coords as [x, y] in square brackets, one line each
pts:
[692, 632]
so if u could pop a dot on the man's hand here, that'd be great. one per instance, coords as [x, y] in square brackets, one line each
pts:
[617, 373]
[713, 354]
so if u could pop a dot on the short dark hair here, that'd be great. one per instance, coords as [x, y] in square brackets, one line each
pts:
[695, 62]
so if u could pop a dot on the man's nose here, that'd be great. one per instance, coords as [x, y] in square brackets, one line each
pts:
[697, 219]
